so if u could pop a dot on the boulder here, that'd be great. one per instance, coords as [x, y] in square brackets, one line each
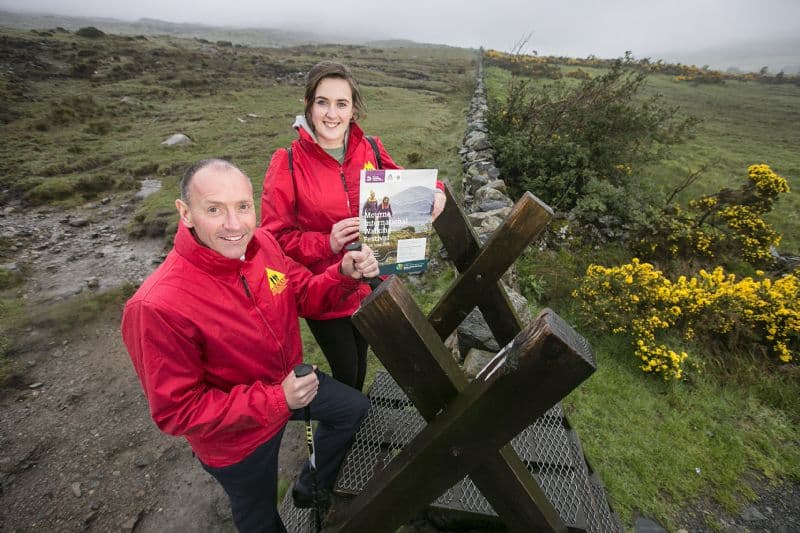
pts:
[178, 139]
[474, 332]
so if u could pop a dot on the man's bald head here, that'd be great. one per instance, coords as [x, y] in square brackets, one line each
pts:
[186, 180]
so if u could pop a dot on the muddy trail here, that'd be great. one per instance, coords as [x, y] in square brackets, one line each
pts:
[78, 450]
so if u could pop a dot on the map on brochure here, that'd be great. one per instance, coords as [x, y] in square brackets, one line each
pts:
[395, 211]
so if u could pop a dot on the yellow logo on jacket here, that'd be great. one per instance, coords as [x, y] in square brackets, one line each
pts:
[277, 281]
[368, 166]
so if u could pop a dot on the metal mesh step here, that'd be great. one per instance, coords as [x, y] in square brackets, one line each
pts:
[549, 449]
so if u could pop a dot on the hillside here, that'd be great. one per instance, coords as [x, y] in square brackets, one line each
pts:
[684, 450]
[246, 36]
[782, 54]
[255, 36]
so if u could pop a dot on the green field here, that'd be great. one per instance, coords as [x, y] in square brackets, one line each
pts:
[83, 117]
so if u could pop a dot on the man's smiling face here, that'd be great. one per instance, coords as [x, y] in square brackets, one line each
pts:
[220, 210]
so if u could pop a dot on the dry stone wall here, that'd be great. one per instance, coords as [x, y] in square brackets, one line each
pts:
[487, 204]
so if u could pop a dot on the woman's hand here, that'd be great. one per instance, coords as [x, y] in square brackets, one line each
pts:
[439, 200]
[344, 231]
[360, 264]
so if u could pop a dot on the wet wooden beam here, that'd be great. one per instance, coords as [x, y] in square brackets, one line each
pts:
[409, 347]
[478, 283]
[543, 364]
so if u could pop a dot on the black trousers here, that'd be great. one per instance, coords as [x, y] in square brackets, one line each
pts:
[252, 484]
[343, 347]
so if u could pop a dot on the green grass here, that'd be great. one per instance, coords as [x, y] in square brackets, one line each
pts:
[739, 417]
[662, 447]
[743, 123]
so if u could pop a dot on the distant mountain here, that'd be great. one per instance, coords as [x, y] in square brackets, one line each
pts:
[270, 37]
[775, 54]
[412, 205]
[148, 26]
[403, 43]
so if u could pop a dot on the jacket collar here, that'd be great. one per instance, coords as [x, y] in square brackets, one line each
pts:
[206, 259]
[354, 136]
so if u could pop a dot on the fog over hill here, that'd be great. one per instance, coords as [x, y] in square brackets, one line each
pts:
[781, 54]
[237, 35]
[148, 26]
[777, 53]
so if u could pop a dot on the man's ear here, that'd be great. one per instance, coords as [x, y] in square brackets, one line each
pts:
[183, 211]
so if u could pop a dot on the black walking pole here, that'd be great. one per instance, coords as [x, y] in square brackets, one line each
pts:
[300, 371]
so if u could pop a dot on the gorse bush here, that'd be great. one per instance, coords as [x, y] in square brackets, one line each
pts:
[724, 225]
[524, 64]
[586, 143]
[752, 315]
[536, 65]
[90, 32]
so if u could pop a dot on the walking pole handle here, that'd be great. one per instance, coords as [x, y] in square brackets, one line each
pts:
[303, 369]
[372, 282]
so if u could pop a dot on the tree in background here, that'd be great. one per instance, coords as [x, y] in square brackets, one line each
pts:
[581, 148]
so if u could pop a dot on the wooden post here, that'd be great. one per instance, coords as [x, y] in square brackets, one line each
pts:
[469, 424]
[527, 220]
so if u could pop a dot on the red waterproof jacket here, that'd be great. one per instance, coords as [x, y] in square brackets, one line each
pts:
[300, 213]
[212, 339]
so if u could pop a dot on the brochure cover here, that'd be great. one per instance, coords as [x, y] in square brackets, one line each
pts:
[395, 210]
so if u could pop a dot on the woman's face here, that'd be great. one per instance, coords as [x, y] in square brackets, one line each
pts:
[332, 111]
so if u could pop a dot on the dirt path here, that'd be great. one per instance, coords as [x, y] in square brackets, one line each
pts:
[78, 449]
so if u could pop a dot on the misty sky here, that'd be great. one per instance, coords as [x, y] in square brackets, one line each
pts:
[559, 27]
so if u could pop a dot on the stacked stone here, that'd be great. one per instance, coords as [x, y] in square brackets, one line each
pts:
[487, 205]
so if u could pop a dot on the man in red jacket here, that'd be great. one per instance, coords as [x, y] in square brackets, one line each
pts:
[214, 337]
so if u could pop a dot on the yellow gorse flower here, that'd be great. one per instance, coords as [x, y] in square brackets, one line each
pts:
[636, 299]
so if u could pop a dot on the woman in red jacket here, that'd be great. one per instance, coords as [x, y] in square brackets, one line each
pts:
[310, 200]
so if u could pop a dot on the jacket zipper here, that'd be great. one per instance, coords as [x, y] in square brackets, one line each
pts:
[264, 320]
[341, 176]
[346, 191]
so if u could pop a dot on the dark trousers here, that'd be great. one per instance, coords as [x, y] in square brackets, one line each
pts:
[252, 484]
[343, 347]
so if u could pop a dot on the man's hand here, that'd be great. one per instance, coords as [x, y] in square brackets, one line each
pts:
[342, 232]
[439, 199]
[360, 264]
[300, 391]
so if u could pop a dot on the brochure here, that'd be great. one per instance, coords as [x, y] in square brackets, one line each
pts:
[395, 211]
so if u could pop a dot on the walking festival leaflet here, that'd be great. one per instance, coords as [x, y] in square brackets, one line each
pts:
[395, 210]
